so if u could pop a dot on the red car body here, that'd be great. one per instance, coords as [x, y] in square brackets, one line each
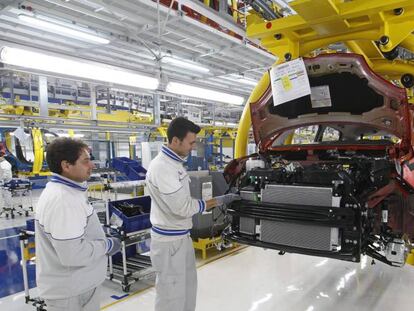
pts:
[367, 168]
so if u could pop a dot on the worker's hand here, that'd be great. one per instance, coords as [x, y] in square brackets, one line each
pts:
[227, 198]
[114, 246]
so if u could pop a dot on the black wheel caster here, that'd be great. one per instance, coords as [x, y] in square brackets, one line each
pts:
[126, 288]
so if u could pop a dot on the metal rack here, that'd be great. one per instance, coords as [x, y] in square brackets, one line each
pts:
[17, 189]
[130, 269]
[25, 246]
[134, 268]
[106, 185]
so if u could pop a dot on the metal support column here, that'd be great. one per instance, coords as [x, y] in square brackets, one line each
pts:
[96, 145]
[43, 97]
[132, 147]
[221, 151]
[108, 101]
[11, 89]
[108, 147]
[157, 114]
[93, 103]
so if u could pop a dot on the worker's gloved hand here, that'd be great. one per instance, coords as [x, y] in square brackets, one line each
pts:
[113, 246]
[227, 198]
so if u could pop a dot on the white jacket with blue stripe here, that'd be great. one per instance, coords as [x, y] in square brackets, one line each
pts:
[172, 206]
[71, 245]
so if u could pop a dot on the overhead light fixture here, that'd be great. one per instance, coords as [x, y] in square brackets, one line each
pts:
[68, 135]
[223, 123]
[65, 66]
[62, 29]
[248, 81]
[192, 105]
[242, 79]
[198, 92]
[182, 63]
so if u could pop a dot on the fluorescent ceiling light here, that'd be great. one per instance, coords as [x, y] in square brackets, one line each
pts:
[64, 66]
[241, 79]
[198, 92]
[192, 105]
[182, 63]
[62, 30]
[68, 135]
[229, 124]
[248, 81]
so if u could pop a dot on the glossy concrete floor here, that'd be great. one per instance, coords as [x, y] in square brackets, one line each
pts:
[256, 279]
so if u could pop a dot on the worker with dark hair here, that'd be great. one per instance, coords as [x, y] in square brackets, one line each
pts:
[172, 208]
[71, 247]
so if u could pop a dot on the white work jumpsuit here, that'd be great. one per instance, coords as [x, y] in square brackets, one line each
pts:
[172, 252]
[5, 176]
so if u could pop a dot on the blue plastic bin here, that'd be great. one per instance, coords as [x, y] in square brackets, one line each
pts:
[136, 172]
[121, 163]
[130, 168]
[30, 225]
[134, 223]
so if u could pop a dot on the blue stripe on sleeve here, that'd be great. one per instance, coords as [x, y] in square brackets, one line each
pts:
[110, 245]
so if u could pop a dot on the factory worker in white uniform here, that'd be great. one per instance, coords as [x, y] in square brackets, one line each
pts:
[172, 208]
[5, 176]
[71, 246]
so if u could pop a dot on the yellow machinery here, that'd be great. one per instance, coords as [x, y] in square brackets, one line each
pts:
[75, 114]
[38, 151]
[410, 258]
[204, 244]
[372, 28]
[208, 243]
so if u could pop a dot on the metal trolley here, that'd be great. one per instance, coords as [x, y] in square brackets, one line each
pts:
[129, 268]
[25, 246]
[13, 193]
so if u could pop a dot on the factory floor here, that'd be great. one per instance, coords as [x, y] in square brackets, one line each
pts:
[243, 278]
